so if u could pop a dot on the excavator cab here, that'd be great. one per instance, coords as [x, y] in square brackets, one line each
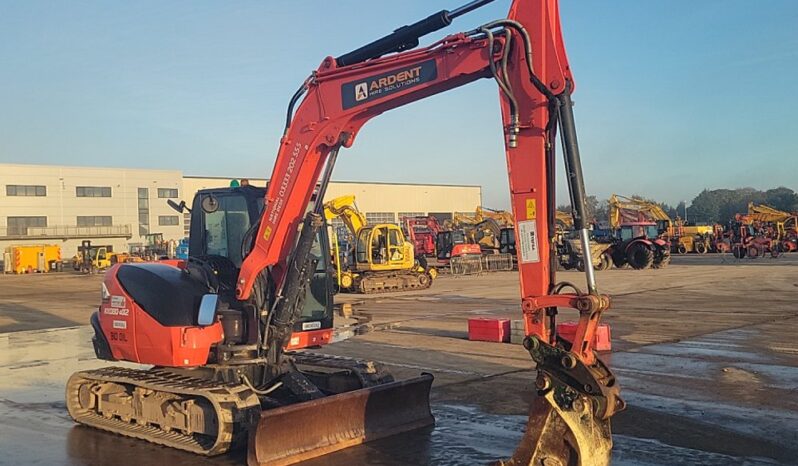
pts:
[507, 241]
[383, 247]
[221, 224]
[639, 230]
[454, 243]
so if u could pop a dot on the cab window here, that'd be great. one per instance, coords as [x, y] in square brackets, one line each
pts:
[626, 233]
[225, 228]
[315, 250]
[361, 251]
[395, 245]
[379, 245]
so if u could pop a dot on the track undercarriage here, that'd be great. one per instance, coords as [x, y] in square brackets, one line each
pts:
[389, 281]
[196, 411]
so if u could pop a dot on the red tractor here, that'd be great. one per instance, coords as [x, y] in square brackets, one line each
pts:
[638, 245]
[751, 239]
[721, 239]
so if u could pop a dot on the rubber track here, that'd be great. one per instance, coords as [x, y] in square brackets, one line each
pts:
[235, 406]
[409, 276]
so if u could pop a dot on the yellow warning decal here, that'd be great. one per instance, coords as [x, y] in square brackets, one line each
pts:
[531, 209]
[267, 233]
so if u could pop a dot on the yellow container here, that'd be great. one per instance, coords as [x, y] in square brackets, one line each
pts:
[32, 258]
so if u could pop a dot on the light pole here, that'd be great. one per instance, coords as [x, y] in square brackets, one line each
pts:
[685, 211]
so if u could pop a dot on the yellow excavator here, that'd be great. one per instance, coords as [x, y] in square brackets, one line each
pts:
[784, 224]
[484, 227]
[381, 259]
[563, 221]
[502, 217]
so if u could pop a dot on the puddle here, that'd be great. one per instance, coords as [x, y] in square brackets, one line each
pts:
[35, 429]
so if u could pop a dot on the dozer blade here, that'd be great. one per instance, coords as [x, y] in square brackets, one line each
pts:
[302, 431]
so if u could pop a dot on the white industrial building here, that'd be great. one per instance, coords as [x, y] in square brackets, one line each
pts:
[47, 204]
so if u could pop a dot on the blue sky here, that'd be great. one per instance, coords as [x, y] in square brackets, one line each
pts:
[672, 96]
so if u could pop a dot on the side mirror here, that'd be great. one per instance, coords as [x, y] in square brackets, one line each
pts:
[178, 207]
[207, 309]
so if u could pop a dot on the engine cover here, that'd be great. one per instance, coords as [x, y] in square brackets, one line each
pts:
[149, 316]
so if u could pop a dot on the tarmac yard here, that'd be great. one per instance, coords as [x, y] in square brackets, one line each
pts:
[705, 352]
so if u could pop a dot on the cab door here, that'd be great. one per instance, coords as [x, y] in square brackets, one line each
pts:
[102, 258]
[363, 249]
[397, 248]
[443, 245]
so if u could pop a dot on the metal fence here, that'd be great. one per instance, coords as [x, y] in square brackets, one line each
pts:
[497, 262]
[473, 264]
[466, 265]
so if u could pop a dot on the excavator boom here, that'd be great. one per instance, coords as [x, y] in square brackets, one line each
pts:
[525, 54]
[344, 207]
[764, 213]
[627, 209]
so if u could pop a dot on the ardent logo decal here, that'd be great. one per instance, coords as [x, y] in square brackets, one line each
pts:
[361, 91]
[382, 85]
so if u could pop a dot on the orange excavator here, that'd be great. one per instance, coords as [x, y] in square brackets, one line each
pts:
[214, 334]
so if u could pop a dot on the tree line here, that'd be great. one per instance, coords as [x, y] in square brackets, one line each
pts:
[709, 207]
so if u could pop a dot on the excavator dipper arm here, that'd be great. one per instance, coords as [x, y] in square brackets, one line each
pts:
[525, 55]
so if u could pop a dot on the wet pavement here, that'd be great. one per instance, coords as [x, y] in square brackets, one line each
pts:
[704, 350]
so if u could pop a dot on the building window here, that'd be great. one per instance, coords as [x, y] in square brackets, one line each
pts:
[18, 226]
[167, 193]
[186, 223]
[410, 214]
[443, 216]
[380, 217]
[144, 211]
[93, 191]
[94, 221]
[337, 224]
[168, 220]
[25, 190]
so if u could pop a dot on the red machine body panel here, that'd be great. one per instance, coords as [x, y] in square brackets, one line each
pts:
[133, 335]
[310, 338]
[466, 249]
